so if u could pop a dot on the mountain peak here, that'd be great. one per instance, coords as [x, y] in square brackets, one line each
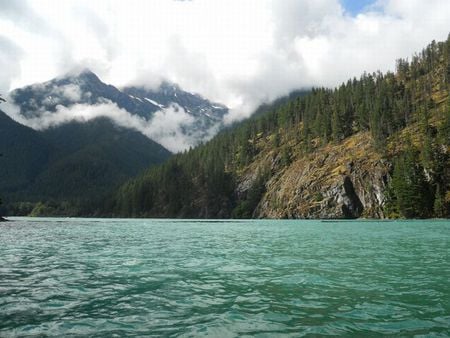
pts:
[85, 75]
[169, 86]
[195, 122]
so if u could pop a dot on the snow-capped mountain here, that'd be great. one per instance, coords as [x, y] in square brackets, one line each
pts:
[205, 112]
[169, 115]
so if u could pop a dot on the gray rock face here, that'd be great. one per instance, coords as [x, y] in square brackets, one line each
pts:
[351, 204]
[339, 181]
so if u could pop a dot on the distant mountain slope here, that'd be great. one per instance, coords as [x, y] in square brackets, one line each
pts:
[84, 87]
[199, 119]
[206, 115]
[93, 157]
[374, 147]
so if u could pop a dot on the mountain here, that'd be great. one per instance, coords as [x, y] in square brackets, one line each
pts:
[199, 118]
[207, 116]
[91, 157]
[375, 147]
[71, 165]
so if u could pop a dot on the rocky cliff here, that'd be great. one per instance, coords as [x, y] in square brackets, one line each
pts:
[346, 180]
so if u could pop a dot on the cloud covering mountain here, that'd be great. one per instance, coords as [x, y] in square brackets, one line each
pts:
[240, 53]
[168, 115]
[165, 127]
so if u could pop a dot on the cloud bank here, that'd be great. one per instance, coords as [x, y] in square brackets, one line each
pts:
[165, 127]
[238, 52]
[52, 105]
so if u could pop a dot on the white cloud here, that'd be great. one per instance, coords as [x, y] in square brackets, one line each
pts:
[238, 52]
[9, 63]
[71, 92]
[165, 127]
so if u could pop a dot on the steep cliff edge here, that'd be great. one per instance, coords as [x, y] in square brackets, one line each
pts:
[345, 180]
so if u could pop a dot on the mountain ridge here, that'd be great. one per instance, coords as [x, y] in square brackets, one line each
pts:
[196, 119]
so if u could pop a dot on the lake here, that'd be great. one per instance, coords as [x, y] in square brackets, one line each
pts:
[107, 278]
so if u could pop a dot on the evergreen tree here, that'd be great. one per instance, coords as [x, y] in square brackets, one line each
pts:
[409, 185]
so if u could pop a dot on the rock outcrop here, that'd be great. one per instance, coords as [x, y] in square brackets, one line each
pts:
[346, 180]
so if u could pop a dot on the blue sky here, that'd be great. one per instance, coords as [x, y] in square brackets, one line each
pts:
[356, 6]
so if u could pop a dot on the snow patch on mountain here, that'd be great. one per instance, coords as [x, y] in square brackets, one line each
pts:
[154, 102]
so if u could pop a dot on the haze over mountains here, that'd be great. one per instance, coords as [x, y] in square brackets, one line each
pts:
[168, 115]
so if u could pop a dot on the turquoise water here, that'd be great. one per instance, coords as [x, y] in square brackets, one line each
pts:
[106, 278]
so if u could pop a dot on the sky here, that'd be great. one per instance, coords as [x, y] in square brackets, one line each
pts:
[237, 52]
[354, 7]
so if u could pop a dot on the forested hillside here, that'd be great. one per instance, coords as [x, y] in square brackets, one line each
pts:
[377, 146]
[25, 154]
[65, 170]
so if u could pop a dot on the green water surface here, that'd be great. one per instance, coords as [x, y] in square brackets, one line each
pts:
[107, 278]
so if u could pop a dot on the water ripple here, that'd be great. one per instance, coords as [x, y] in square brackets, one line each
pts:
[115, 278]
